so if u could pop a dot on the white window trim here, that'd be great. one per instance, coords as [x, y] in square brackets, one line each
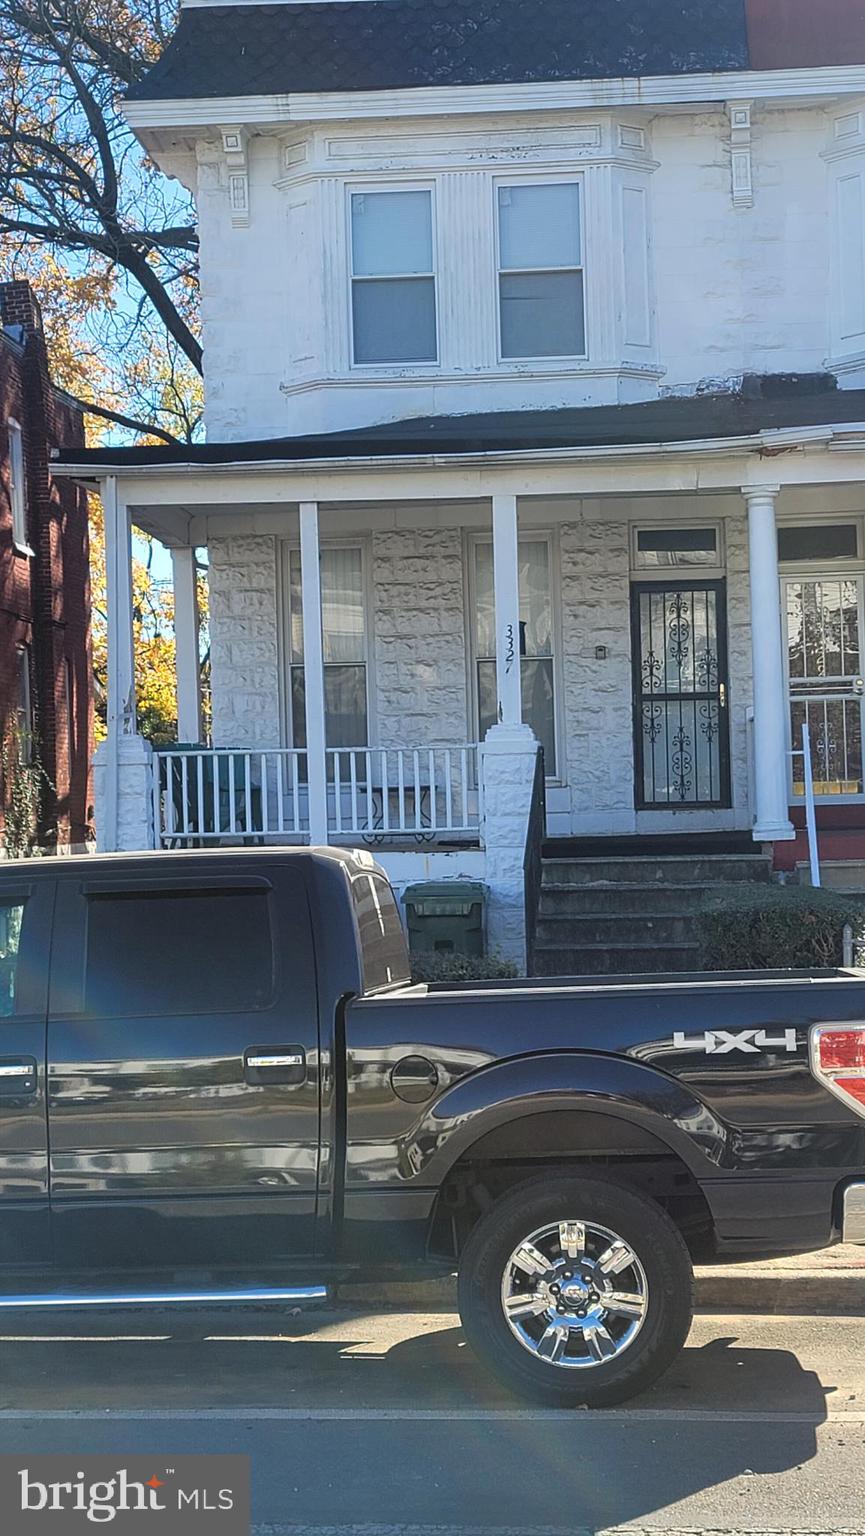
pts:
[560, 360]
[427, 365]
[550, 537]
[18, 486]
[287, 547]
[846, 563]
[666, 573]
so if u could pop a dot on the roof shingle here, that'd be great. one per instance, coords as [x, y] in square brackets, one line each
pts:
[373, 45]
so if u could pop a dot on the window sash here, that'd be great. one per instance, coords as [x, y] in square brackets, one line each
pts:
[344, 647]
[17, 487]
[394, 303]
[551, 321]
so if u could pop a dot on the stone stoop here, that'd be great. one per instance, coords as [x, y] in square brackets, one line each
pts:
[632, 913]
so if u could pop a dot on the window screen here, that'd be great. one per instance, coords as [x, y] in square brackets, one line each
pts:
[818, 541]
[383, 945]
[173, 952]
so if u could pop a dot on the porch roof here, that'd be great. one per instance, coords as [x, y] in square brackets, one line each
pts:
[779, 403]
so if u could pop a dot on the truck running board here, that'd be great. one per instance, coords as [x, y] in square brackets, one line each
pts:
[166, 1298]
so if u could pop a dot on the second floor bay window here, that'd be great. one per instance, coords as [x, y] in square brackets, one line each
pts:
[541, 309]
[393, 289]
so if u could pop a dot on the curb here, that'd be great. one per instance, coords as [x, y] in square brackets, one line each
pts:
[728, 1288]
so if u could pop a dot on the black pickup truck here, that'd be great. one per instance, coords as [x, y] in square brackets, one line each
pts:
[217, 1082]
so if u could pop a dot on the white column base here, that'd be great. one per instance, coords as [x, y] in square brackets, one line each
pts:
[774, 832]
[508, 768]
[123, 795]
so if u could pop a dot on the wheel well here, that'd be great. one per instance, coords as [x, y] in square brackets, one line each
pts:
[567, 1138]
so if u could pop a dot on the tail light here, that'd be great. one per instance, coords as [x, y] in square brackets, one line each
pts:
[838, 1061]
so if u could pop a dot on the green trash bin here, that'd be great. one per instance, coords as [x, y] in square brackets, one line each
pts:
[446, 917]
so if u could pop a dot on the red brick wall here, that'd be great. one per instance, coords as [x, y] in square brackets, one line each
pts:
[45, 599]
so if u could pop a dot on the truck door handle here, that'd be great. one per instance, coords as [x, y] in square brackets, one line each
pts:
[17, 1076]
[287, 1066]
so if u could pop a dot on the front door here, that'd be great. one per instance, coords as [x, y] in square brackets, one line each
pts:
[681, 734]
[183, 1069]
[823, 618]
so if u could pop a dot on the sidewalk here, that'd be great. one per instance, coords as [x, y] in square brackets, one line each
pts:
[822, 1283]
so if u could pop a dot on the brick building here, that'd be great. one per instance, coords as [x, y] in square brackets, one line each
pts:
[45, 672]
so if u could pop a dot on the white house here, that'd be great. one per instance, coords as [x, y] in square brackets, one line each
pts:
[534, 335]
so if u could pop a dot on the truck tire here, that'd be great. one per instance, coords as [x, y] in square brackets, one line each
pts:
[575, 1291]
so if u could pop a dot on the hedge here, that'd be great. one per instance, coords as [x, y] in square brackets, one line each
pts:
[777, 927]
[452, 966]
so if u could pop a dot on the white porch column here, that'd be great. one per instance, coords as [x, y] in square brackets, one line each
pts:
[506, 578]
[508, 754]
[313, 671]
[122, 765]
[771, 818]
[185, 577]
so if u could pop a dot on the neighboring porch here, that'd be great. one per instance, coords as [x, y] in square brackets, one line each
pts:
[388, 657]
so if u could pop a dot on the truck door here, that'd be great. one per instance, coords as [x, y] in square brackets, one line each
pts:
[183, 1069]
[25, 937]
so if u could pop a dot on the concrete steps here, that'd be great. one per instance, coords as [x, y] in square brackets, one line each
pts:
[629, 914]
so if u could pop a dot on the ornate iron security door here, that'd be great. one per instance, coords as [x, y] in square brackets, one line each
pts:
[681, 735]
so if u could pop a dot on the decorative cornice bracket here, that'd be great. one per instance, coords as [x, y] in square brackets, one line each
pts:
[234, 143]
[741, 173]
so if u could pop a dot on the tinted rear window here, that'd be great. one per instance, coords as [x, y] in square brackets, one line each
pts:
[173, 952]
[384, 952]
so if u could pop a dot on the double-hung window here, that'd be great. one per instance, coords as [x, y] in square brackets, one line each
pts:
[344, 645]
[17, 486]
[537, 643]
[393, 287]
[541, 308]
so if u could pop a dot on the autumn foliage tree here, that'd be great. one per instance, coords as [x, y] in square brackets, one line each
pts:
[110, 247]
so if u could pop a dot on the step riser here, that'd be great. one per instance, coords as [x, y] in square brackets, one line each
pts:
[604, 962]
[622, 901]
[648, 871]
[615, 930]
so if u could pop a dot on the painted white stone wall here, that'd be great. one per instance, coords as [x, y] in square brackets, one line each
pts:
[699, 290]
[244, 641]
[597, 693]
[419, 638]
[741, 289]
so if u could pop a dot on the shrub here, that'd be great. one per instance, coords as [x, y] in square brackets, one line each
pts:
[444, 966]
[777, 927]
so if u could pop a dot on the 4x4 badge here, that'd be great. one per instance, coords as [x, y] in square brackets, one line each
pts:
[720, 1042]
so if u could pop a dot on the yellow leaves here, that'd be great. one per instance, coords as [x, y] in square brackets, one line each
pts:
[153, 630]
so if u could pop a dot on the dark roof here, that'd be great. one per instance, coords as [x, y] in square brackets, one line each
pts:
[374, 45]
[761, 405]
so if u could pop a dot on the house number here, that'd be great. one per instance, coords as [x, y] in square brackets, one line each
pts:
[510, 648]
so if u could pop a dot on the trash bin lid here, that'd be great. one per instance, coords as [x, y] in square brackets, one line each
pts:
[445, 898]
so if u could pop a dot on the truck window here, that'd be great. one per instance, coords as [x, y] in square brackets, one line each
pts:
[173, 952]
[384, 952]
[11, 922]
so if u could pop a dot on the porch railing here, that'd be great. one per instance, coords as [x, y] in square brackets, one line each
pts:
[206, 795]
[380, 793]
[203, 795]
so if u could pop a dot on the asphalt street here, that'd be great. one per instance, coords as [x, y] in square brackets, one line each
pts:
[382, 1424]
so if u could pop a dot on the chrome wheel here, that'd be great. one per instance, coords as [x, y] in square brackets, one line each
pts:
[574, 1294]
